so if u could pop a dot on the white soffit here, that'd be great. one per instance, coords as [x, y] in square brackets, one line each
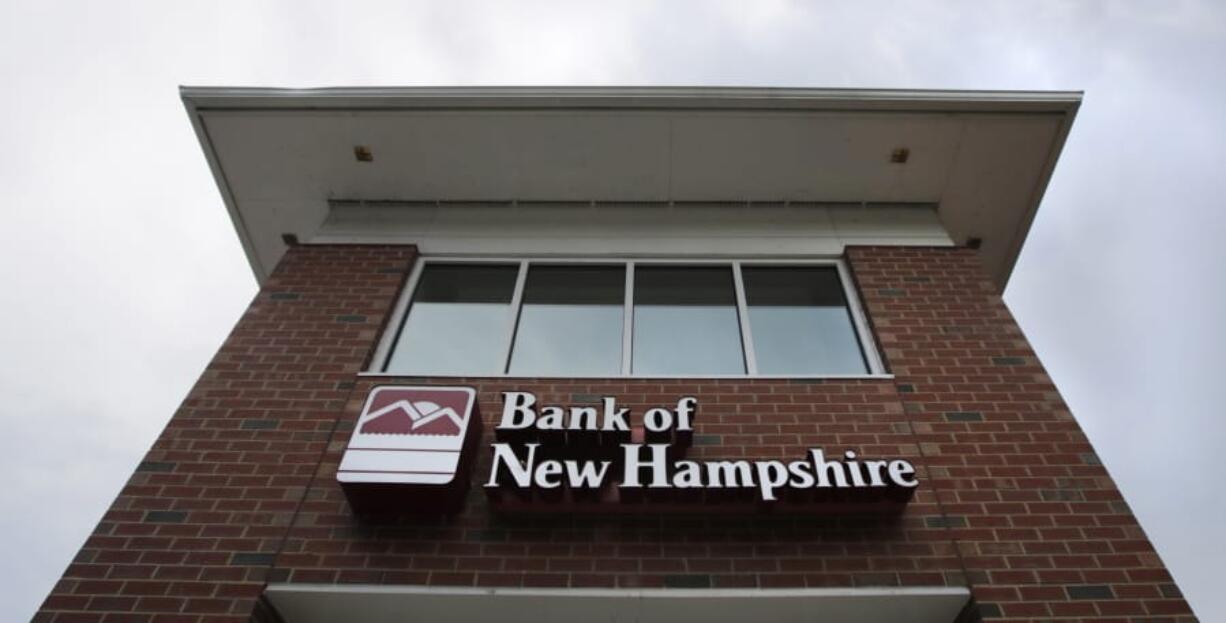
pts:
[282, 156]
[317, 603]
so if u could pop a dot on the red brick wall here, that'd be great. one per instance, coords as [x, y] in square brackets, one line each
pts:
[240, 489]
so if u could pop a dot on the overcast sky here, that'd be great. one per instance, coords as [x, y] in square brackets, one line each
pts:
[120, 273]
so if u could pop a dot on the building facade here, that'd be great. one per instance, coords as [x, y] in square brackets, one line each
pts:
[628, 355]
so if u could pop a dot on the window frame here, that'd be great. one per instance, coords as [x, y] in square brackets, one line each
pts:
[864, 335]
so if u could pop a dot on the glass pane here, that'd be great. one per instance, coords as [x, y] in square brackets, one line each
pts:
[800, 321]
[685, 321]
[570, 322]
[457, 322]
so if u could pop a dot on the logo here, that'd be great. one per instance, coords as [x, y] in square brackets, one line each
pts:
[405, 417]
[409, 436]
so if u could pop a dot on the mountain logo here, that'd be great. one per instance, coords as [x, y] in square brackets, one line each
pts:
[413, 418]
[414, 440]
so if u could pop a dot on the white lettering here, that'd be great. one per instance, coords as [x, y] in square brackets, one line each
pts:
[659, 468]
[517, 410]
[652, 468]
[902, 474]
[582, 418]
[504, 455]
[853, 468]
[658, 420]
[685, 413]
[545, 472]
[688, 475]
[874, 472]
[802, 477]
[550, 419]
[614, 418]
[771, 475]
[586, 475]
[824, 469]
[729, 474]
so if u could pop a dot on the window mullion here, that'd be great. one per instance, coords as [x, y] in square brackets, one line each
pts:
[742, 312]
[628, 321]
[516, 300]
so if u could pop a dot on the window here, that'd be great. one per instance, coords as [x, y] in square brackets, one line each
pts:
[607, 318]
[570, 322]
[685, 321]
[800, 320]
[457, 319]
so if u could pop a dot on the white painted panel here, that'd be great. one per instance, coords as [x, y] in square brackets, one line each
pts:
[697, 230]
[454, 155]
[992, 197]
[408, 442]
[399, 460]
[818, 157]
[390, 478]
[268, 220]
[395, 604]
[883, 222]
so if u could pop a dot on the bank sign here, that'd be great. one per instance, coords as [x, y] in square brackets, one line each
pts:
[413, 449]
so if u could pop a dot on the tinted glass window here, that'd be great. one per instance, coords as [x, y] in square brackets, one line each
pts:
[685, 321]
[570, 322]
[457, 321]
[800, 321]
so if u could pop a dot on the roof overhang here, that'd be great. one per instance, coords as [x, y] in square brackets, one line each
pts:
[283, 157]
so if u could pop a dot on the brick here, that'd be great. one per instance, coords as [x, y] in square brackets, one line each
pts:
[1061, 495]
[252, 559]
[165, 516]
[964, 416]
[690, 580]
[1089, 591]
[1008, 361]
[947, 521]
[259, 424]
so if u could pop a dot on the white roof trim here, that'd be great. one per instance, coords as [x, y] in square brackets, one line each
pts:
[717, 98]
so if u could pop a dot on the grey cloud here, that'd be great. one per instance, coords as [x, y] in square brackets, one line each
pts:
[121, 273]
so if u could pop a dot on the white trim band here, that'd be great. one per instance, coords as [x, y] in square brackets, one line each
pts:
[317, 603]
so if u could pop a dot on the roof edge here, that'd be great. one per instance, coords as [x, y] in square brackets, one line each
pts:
[227, 194]
[1001, 276]
[724, 98]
